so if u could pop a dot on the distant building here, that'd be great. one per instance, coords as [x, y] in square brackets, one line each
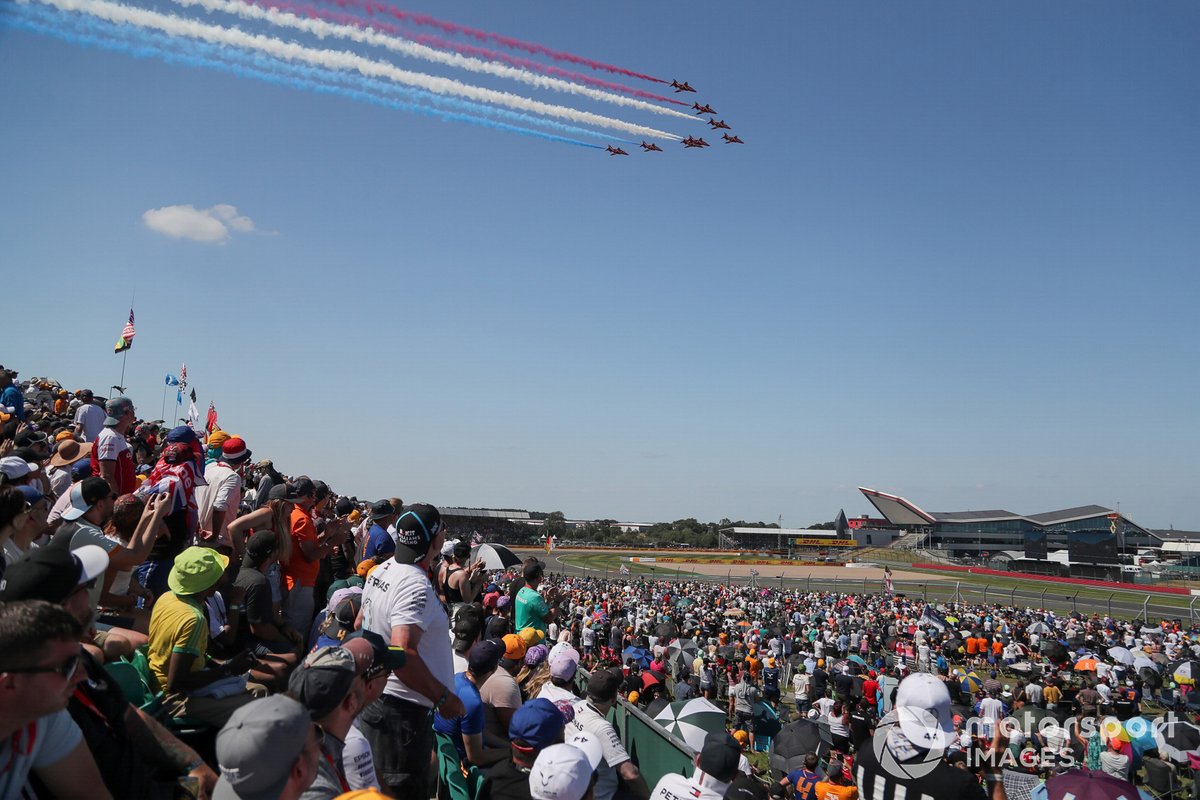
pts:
[1084, 530]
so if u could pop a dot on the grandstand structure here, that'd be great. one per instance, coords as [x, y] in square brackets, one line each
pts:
[782, 540]
[498, 526]
[1094, 534]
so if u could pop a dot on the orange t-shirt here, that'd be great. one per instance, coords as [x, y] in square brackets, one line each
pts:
[825, 790]
[301, 569]
[997, 647]
[972, 646]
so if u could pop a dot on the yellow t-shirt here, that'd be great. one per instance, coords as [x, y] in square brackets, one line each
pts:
[177, 625]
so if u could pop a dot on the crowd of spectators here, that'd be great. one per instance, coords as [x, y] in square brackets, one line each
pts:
[294, 643]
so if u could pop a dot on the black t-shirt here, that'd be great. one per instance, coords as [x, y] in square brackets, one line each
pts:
[943, 783]
[506, 781]
[98, 708]
[258, 603]
[860, 727]
[843, 684]
[820, 679]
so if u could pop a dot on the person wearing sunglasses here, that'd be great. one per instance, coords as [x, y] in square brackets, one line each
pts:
[39, 671]
[131, 748]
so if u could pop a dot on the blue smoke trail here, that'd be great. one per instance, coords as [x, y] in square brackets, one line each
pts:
[146, 44]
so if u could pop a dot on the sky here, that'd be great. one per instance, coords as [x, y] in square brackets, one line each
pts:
[956, 259]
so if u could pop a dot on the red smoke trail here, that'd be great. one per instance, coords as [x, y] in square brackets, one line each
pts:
[373, 7]
[462, 49]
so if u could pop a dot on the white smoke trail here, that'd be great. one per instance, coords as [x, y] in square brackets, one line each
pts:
[340, 60]
[322, 29]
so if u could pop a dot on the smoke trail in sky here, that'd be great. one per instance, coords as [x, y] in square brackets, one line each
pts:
[460, 47]
[322, 29]
[145, 44]
[372, 7]
[341, 60]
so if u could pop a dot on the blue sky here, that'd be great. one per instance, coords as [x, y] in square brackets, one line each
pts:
[956, 259]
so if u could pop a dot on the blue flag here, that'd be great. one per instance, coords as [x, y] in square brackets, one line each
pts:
[172, 380]
[178, 398]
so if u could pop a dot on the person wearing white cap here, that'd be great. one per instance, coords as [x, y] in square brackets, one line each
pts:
[566, 771]
[16, 471]
[911, 760]
[563, 662]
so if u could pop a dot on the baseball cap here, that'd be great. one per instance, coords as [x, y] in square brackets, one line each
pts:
[531, 636]
[261, 545]
[923, 710]
[719, 756]
[323, 679]
[536, 655]
[418, 526]
[258, 747]
[381, 509]
[468, 624]
[32, 495]
[84, 495]
[115, 408]
[370, 650]
[52, 573]
[503, 602]
[485, 655]
[343, 506]
[80, 470]
[563, 662]
[586, 741]
[561, 772]
[302, 486]
[15, 467]
[536, 724]
[448, 547]
[514, 647]
[603, 684]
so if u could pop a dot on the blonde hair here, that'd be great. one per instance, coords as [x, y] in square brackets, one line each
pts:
[281, 523]
[534, 679]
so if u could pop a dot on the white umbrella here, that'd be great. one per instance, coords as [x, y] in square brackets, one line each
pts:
[495, 556]
[1142, 662]
[1121, 655]
[1039, 628]
[692, 720]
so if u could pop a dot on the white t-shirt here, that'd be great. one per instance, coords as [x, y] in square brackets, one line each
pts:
[91, 417]
[224, 491]
[87, 533]
[52, 739]
[110, 445]
[700, 786]
[358, 761]
[556, 693]
[587, 718]
[400, 594]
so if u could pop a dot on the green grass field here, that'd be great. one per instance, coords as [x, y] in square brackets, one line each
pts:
[1085, 598]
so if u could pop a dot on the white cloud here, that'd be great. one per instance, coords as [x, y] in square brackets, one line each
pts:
[209, 225]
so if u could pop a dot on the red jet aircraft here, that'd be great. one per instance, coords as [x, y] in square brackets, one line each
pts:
[650, 146]
[731, 139]
[681, 87]
[703, 109]
[694, 142]
[718, 125]
[616, 151]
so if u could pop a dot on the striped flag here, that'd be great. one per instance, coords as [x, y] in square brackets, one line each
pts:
[211, 421]
[549, 543]
[127, 334]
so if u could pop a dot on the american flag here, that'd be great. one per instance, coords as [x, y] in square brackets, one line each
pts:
[127, 334]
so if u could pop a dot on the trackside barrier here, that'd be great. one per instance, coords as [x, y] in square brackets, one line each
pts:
[655, 751]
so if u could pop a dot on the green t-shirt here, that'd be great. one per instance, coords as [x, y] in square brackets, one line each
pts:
[531, 610]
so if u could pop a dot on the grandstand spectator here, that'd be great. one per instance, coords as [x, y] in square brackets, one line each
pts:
[89, 417]
[268, 749]
[79, 471]
[565, 771]
[501, 693]
[378, 545]
[128, 538]
[10, 394]
[308, 548]
[194, 685]
[111, 457]
[400, 604]
[591, 715]
[66, 453]
[716, 768]
[534, 727]
[532, 610]
[460, 583]
[39, 671]
[261, 627]
[468, 625]
[267, 478]
[466, 730]
[219, 498]
[564, 663]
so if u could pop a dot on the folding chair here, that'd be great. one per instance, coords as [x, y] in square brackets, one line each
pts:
[455, 780]
[126, 676]
[180, 726]
[1161, 778]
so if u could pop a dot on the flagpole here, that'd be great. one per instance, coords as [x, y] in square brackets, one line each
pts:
[125, 352]
[124, 355]
[163, 411]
